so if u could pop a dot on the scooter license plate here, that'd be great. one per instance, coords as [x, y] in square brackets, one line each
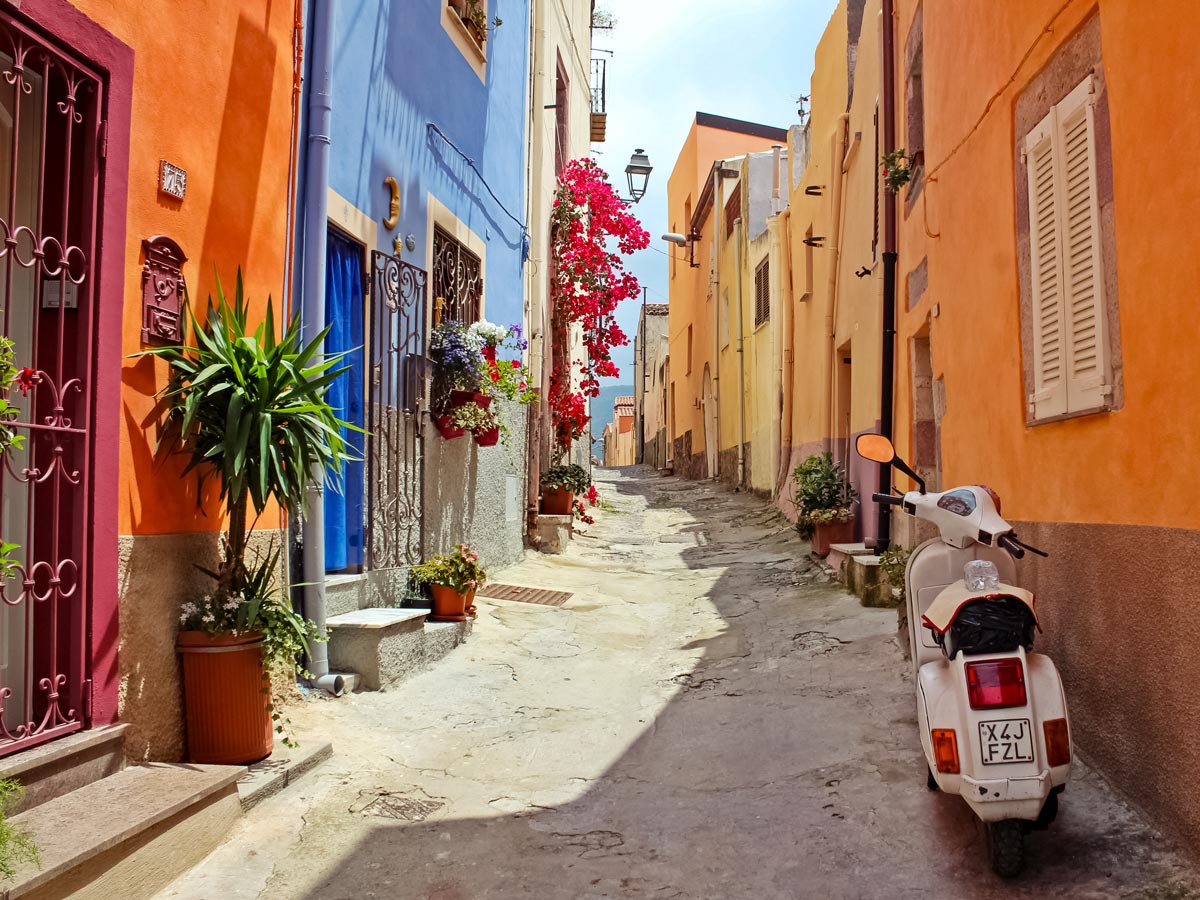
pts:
[1005, 741]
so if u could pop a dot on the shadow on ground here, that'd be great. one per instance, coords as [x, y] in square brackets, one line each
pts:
[787, 764]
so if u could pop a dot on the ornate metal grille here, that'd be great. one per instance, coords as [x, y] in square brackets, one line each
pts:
[397, 394]
[50, 144]
[457, 280]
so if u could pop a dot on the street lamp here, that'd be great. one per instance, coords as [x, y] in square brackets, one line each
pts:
[638, 172]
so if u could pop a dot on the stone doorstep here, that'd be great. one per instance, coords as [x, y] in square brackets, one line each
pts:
[862, 572]
[66, 764]
[77, 827]
[285, 764]
[554, 533]
[839, 554]
[377, 617]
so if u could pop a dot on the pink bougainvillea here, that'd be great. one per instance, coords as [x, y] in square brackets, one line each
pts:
[593, 231]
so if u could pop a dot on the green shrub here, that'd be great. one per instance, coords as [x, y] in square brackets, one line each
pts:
[822, 493]
[16, 844]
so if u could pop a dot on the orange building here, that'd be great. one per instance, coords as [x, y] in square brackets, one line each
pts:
[694, 190]
[1046, 307]
[153, 154]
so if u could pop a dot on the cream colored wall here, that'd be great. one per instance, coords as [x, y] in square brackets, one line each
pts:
[560, 27]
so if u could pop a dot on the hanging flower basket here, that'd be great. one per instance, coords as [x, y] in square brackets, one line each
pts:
[446, 427]
[489, 438]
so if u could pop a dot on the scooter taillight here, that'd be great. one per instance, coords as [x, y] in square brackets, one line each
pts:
[996, 683]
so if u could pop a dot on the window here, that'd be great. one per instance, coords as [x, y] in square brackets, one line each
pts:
[809, 261]
[914, 102]
[762, 292]
[689, 351]
[468, 25]
[733, 209]
[457, 280]
[1070, 372]
[672, 251]
[562, 99]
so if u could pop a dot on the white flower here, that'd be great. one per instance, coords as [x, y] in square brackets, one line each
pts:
[233, 603]
[208, 617]
[487, 332]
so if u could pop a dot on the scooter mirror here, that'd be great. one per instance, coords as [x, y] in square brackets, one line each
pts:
[875, 447]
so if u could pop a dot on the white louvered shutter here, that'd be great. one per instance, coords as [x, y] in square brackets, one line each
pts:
[1049, 395]
[1084, 335]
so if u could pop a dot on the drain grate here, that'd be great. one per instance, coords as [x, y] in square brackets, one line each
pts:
[541, 596]
[387, 805]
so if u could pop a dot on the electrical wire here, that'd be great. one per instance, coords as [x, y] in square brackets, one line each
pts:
[474, 168]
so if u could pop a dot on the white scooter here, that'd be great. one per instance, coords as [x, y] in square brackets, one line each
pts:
[992, 714]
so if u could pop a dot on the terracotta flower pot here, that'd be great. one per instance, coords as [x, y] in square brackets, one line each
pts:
[829, 533]
[487, 438]
[226, 698]
[557, 501]
[447, 429]
[449, 605]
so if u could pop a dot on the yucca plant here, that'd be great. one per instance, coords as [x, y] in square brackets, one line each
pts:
[251, 410]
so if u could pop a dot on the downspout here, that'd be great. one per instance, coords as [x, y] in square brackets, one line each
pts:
[312, 306]
[289, 261]
[839, 153]
[741, 358]
[786, 343]
[775, 294]
[717, 218]
[888, 357]
[536, 326]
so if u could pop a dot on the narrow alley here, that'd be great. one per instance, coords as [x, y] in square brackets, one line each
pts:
[707, 717]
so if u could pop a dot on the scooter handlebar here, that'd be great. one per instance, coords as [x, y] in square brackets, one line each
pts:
[890, 499]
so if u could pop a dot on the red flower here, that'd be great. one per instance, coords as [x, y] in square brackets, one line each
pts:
[495, 374]
[26, 380]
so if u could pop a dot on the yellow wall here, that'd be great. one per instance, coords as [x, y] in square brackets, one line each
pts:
[842, 312]
[692, 300]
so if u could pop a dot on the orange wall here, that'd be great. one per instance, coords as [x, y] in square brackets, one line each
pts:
[211, 93]
[1132, 465]
[689, 287]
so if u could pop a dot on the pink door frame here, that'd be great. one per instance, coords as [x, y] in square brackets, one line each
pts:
[64, 24]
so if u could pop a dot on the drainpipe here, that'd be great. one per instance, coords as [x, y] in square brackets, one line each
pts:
[741, 358]
[775, 296]
[839, 153]
[782, 224]
[312, 305]
[717, 218]
[888, 357]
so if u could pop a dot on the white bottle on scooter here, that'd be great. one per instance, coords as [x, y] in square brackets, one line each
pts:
[992, 713]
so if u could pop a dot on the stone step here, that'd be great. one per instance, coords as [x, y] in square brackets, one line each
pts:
[127, 835]
[347, 593]
[839, 553]
[385, 646]
[66, 764]
[866, 580]
[285, 764]
[554, 533]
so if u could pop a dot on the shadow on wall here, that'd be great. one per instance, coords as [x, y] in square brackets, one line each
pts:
[693, 808]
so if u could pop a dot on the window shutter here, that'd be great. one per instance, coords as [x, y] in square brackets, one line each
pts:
[1086, 344]
[1049, 395]
[762, 293]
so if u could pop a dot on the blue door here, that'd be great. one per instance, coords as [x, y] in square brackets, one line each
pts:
[344, 300]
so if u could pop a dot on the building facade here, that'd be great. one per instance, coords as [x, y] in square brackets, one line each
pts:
[696, 200]
[1032, 357]
[650, 346]
[618, 434]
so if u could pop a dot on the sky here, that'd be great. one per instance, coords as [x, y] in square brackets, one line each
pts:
[746, 59]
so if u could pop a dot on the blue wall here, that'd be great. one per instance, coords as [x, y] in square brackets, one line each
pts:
[396, 69]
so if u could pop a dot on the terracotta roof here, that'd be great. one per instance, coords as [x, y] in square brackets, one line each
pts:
[623, 401]
[657, 309]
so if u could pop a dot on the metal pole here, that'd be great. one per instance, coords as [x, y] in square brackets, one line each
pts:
[888, 356]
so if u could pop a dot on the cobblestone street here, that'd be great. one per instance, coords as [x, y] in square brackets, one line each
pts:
[707, 717]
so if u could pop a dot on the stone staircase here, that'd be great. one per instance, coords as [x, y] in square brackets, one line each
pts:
[106, 830]
[860, 570]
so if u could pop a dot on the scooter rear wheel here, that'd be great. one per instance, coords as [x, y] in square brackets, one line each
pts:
[1006, 847]
[930, 781]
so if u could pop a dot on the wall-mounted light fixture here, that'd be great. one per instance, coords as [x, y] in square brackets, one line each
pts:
[815, 241]
[688, 242]
[815, 190]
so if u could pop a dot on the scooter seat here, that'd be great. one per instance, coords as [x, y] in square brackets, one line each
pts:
[946, 606]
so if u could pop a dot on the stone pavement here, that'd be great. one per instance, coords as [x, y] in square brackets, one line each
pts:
[706, 718]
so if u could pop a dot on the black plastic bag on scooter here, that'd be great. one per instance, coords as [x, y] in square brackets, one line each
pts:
[992, 625]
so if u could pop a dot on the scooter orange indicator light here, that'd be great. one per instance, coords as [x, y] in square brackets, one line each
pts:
[945, 750]
[1058, 742]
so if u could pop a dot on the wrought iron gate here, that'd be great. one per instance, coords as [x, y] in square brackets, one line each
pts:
[50, 144]
[397, 394]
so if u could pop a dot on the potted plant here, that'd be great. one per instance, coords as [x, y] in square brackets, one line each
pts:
[560, 484]
[483, 423]
[824, 501]
[452, 578]
[896, 168]
[251, 411]
[457, 360]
